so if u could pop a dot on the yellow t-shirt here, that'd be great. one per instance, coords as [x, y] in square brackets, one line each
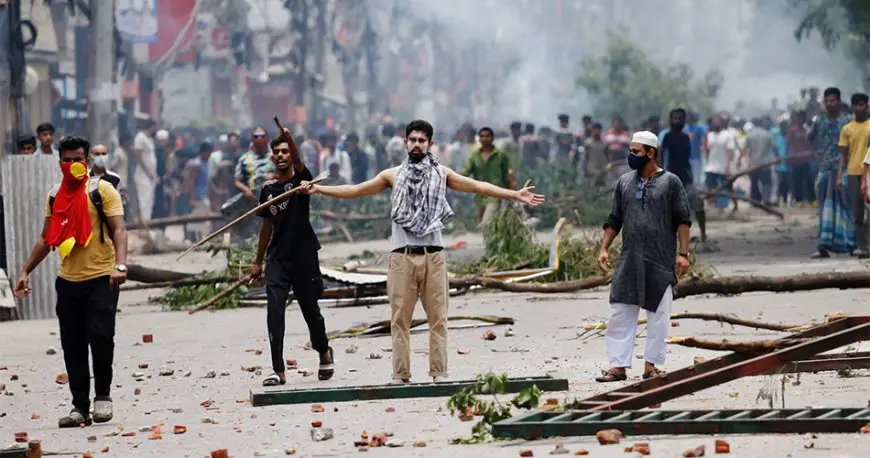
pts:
[96, 259]
[854, 135]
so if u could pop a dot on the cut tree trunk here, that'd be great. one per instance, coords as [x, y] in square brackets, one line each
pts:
[531, 287]
[748, 284]
[177, 283]
[160, 223]
[143, 274]
[757, 346]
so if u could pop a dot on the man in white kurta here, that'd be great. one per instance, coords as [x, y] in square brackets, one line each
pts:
[145, 176]
[651, 209]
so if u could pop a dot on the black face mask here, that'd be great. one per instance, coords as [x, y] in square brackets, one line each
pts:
[678, 126]
[637, 162]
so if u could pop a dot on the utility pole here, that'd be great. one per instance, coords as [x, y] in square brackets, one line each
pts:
[101, 87]
[319, 60]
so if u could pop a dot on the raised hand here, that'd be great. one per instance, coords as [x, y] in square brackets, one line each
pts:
[528, 197]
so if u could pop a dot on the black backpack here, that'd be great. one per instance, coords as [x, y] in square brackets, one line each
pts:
[96, 199]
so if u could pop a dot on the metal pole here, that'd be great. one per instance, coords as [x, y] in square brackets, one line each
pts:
[101, 87]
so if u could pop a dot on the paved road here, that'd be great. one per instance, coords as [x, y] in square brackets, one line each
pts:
[543, 343]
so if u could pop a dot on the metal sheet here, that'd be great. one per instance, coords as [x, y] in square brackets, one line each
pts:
[538, 424]
[353, 278]
[25, 184]
[280, 395]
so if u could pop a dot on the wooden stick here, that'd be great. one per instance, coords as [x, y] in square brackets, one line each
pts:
[250, 212]
[217, 297]
[531, 287]
[752, 202]
[739, 347]
[730, 179]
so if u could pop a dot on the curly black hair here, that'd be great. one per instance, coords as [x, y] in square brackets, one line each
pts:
[420, 125]
[73, 143]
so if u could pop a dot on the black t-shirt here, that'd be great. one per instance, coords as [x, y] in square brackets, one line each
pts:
[679, 149]
[292, 233]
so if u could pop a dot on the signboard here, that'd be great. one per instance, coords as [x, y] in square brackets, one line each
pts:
[137, 20]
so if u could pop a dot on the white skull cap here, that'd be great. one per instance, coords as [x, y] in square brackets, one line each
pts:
[646, 137]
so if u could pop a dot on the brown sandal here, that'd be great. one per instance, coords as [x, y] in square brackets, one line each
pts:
[655, 372]
[611, 376]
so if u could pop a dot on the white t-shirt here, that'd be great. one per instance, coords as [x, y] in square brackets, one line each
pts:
[719, 144]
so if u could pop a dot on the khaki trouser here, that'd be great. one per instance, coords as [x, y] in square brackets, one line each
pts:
[413, 277]
[487, 211]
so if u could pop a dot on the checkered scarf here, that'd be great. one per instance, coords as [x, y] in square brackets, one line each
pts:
[420, 197]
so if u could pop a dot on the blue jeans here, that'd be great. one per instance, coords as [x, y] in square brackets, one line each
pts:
[714, 181]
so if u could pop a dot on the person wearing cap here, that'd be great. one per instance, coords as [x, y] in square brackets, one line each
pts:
[145, 175]
[651, 209]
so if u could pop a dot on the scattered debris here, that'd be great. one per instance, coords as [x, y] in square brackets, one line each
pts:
[321, 434]
[92, 439]
[609, 436]
[695, 452]
[559, 449]
[20, 437]
[389, 410]
[179, 429]
[166, 372]
[526, 453]
[51, 351]
[722, 446]
[488, 335]
[316, 424]
[317, 408]
[641, 448]
[290, 451]
[210, 374]
[221, 453]
[375, 356]
[147, 338]
[62, 378]
[383, 327]
[581, 452]
[34, 416]
[351, 349]
[143, 366]
[462, 351]
[509, 332]
[419, 444]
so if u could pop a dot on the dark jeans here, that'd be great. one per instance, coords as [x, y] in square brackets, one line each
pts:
[761, 182]
[302, 275]
[783, 187]
[86, 313]
[802, 183]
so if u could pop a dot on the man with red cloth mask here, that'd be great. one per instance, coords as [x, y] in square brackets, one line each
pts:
[84, 221]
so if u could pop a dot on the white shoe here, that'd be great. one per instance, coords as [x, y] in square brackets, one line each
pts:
[439, 378]
[399, 381]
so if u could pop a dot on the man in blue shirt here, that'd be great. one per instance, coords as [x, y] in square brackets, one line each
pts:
[676, 146]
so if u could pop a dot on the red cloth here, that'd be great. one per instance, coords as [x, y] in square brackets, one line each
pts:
[70, 222]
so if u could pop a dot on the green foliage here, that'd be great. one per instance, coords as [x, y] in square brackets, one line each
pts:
[626, 78]
[466, 403]
[510, 245]
[844, 23]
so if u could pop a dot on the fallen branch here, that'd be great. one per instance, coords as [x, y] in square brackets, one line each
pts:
[568, 286]
[159, 223]
[757, 346]
[217, 297]
[788, 283]
[730, 179]
[327, 214]
[143, 274]
[176, 284]
[383, 327]
[733, 196]
[728, 319]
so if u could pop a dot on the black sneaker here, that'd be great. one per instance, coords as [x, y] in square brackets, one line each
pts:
[75, 418]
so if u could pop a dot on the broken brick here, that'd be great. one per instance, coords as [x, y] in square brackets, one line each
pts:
[628, 449]
[609, 436]
[526, 453]
[316, 424]
[137, 391]
[316, 408]
[105, 450]
[290, 451]
[147, 338]
[155, 436]
[389, 410]
[581, 452]
[552, 402]
[363, 448]
[206, 403]
[92, 439]
[379, 440]
[179, 429]
[34, 416]
[143, 366]
[641, 448]
[87, 455]
[695, 452]
[488, 335]
[13, 378]
[364, 435]
[20, 437]
[866, 429]
[128, 434]
[675, 324]
[62, 378]
[722, 446]
[221, 453]
[292, 363]
[462, 351]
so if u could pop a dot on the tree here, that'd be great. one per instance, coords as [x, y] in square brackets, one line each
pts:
[624, 80]
[839, 23]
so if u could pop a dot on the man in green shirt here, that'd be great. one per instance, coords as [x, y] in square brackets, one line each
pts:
[490, 165]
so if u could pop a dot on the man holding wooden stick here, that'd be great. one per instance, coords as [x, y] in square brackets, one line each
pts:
[418, 268]
[289, 245]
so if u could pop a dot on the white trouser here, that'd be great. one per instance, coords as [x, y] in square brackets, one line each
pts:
[622, 328]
